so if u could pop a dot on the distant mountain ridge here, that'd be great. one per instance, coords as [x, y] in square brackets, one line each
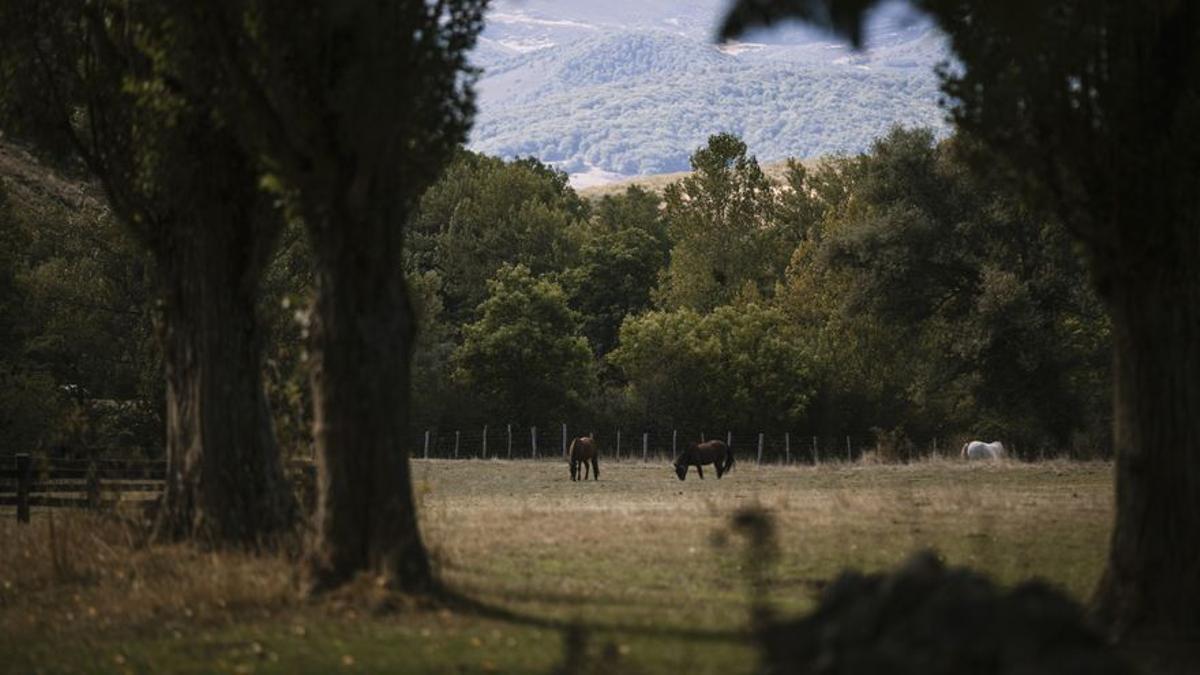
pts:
[626, 88]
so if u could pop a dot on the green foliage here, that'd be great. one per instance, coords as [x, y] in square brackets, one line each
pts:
[282, 310]
[635, 208]
[721, 222]
[485, 212]
[973, 311]
[621, 254]
[524, 359]
[78, 367]
[736, 367]
[434, 393]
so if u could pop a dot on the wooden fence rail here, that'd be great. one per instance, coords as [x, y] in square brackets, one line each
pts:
[27, 482]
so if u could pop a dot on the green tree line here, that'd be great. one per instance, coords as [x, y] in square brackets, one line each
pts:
[895, 291]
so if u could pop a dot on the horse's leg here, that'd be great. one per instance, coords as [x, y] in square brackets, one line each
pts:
[574, 470]
[700, 470]
[719, 470]
[584, 473]
[595, 468]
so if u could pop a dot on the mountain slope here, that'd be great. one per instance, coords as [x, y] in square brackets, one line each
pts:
[630, 88]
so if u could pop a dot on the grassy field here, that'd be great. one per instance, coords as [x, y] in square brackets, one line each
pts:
[639, 572]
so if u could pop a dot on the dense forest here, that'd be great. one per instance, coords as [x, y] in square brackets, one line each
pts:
[893, 295]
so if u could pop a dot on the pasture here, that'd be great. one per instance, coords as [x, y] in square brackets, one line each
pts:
[637, 572]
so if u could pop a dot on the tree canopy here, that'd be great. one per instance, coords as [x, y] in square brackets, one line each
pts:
[525, 358]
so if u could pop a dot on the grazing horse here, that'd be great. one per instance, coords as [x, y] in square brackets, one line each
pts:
[981, 450]
[582, 451]
[698, 454]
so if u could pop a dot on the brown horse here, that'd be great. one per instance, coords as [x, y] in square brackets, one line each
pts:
[698, 454]
[582, 451]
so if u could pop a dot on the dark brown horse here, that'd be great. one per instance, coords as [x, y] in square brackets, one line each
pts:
[582, 451]
[698, 454]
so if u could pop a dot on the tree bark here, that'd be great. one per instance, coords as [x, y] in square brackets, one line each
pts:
[1152, 580]
[225, 481]
[362, 330]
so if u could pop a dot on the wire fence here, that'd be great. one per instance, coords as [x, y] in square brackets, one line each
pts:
[550, 442]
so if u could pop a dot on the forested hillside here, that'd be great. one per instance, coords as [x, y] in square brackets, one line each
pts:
[631, 89]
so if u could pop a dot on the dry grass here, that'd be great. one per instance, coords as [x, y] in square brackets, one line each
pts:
[647, 565]
[776, 171]
[72, 569]
[640, 546]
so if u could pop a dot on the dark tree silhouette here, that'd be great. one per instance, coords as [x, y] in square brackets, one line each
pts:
[1091, 108]
[76, 82]
[356, 106]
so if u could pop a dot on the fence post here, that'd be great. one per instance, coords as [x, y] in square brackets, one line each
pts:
[787, 447]
[618, 444]
[674, 433]
[760, 444]
[816, 455]
[456, 436]
[729, 438]
[93, 485]
[564, 439]
[426, 444]
[533, 440]
[24, 483]
[510, 441]
[849, 457]
[485, 441]
[645, 444]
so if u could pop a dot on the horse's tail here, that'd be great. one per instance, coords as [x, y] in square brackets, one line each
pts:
[571, 449]
[728, 459]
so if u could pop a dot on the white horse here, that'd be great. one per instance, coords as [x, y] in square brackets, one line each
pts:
[981, 450]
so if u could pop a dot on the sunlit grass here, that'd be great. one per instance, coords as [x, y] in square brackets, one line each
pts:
[644, 563]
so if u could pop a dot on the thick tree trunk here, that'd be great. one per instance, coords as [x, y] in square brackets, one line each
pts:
[1151, 584]
[225, 480]
[362, 331]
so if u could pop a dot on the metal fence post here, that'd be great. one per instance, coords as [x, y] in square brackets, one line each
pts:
[457, 434]
[485, 441]
[787, 448]
[510, 441]
[533, 440]
[645, 444]
[426, 444]
[760, 446]
[618, 444]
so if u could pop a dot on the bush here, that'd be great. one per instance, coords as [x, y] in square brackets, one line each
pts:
[926, 619]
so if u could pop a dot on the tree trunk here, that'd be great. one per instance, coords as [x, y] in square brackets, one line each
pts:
[362, 331]
[1152, 580]
[225, 480]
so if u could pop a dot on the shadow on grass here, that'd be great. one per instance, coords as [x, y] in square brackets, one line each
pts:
[460, 602]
